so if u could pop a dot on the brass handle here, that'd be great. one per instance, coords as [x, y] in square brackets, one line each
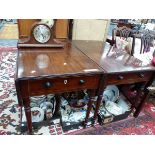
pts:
[120, 77]
[81, 82]
[48, 85]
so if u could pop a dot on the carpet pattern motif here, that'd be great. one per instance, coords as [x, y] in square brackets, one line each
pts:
[9, 110]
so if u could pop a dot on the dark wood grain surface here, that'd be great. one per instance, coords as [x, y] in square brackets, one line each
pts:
[110, 63]
[36, 62]
[119, 69]
[56, 70]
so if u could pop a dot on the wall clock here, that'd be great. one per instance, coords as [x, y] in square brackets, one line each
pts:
[42, 35]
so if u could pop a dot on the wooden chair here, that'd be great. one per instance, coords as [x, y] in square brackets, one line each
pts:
[147, 38]
[146, 42]
[122, 32]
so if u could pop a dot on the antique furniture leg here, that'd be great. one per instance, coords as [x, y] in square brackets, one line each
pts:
[20, 102]
[110, 49]
[58, 102]
[21, 115]
[140, 93]
[100, 95]
[144, 97]
[99, 99]
[139, 108]
[27, 109]
[133, 46]
[92, 96]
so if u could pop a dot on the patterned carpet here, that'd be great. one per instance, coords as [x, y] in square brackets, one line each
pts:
[9, 110]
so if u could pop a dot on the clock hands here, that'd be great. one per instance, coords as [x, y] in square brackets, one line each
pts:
[42, 34]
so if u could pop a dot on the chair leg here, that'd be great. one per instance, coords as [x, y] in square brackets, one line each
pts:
[140, 107]
[110, 49]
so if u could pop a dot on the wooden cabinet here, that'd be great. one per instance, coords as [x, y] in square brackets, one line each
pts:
[24, 27]
[61, 29]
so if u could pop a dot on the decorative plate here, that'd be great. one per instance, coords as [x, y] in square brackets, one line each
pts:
[111, 93]
[113, 108]
[125, 107]
[37, 114]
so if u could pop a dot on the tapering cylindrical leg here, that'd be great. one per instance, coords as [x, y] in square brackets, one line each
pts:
[27, 109]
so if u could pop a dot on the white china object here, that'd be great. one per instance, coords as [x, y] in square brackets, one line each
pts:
[113, 108]
[39, 117]
[108, 95]
[49, 113]
[125, 107]
[46, 103]
[63, 102]
[77, 116]
[48, 108]
[37, 100]
[49, 22]
[50, 96]
[70, 114]
[51, 99]
[111, 93]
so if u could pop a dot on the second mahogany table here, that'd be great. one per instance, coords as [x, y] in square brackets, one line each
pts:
[119, 69]
[54, 70]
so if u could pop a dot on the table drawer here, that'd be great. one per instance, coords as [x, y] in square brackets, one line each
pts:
[127, 78]
[53, 85]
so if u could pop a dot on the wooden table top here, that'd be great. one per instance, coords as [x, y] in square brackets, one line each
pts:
[96, 51]
[36, 62]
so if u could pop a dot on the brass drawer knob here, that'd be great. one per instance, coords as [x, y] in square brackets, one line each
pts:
[120, 77]
[141, 75]
[48, 85]
[81, 82]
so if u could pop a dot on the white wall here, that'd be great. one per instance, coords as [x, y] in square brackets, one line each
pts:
[90, 29]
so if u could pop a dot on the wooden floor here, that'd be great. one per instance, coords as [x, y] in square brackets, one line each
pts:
[9, 31]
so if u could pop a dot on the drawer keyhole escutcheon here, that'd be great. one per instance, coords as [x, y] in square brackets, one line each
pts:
[65, 81]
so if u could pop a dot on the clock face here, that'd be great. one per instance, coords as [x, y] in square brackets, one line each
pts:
[42, 33]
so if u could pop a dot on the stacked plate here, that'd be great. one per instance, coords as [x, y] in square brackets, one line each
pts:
[35, 101]
[112, 101]
[49, 106]
[42, 106]
[111, 93]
